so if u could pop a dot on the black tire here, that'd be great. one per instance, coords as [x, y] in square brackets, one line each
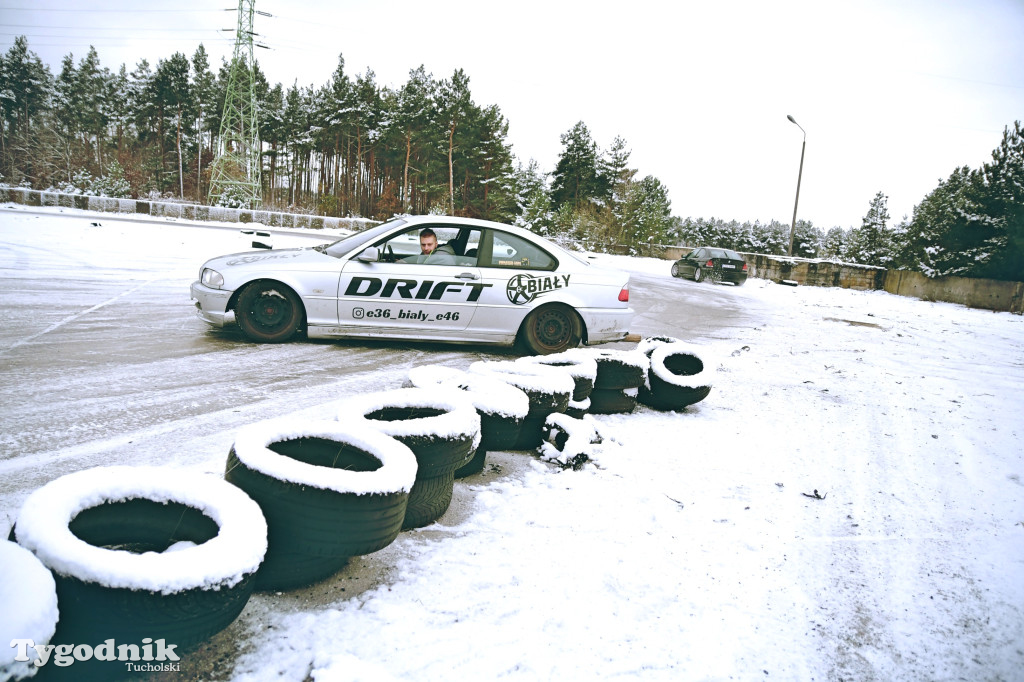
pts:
[441, 428]
[475, 465]
[618, 369]
[612, 401]
[328, 493]
[29, 598]
[678, 378]
[429, 500]
[269, 312]
[675, 269]
[498, 432]
[581, 365]
[547, 388]
[698, 275]
[84, 520]
[552, 328]
[501, 406]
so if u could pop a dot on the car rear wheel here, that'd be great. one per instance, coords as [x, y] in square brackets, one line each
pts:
[551, 329]
[698, 275]
[269, 312]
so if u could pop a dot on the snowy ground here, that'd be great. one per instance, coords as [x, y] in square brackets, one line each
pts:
[696, 550]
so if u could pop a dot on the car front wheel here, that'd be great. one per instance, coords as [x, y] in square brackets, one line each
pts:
[551, 329]
[675, 269]
[269, 312]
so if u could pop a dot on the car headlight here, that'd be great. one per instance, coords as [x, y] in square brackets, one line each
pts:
[212, 278]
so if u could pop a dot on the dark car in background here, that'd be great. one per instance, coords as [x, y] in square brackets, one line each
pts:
[718, 265]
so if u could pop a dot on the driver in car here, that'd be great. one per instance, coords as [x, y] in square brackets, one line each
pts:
[430, 252]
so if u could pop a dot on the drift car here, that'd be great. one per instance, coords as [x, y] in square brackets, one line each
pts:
[487, 283]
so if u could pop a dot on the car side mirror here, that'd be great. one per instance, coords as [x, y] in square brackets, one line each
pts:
[371, 254]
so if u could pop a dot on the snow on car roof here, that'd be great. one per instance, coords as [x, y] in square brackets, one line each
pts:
[397, 470]
[236, 550]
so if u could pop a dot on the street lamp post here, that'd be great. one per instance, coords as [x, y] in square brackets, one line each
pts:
[792, 226]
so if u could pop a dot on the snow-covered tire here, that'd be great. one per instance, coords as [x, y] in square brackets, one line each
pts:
[502, 407]
[581, 365]
[613, 400]
[105, 532]
[618, 369]
[28, 603]
[678, 377]
[577, 409]
[328, 491]
[429, 500]
[649, 343]
[440, 426]
[475, 465]
[548, 390]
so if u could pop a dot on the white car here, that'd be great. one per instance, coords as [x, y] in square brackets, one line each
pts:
[486, 283]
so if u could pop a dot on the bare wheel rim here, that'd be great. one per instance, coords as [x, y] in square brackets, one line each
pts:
[553, 328]
[271, 312]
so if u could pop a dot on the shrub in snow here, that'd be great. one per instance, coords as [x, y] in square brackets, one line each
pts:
[328, 491]
[28, 608]
[440, 426]
[104, 533]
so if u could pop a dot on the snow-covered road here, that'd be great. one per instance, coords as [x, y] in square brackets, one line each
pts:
[693, 550]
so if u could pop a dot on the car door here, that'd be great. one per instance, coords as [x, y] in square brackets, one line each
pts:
[517, 275]
[405, 291]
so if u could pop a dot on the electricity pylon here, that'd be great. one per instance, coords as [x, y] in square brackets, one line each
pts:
[235, 174]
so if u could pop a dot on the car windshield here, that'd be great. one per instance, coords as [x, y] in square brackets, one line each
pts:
[346, 244]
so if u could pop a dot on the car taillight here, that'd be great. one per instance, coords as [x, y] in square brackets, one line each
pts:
[624, 294]
[744, 267]
[710, 264]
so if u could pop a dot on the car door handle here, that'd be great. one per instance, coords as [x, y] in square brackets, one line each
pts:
[467, 275]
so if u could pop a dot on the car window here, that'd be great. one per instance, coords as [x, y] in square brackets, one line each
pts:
[733, 255]
[455, 246]
[342, 246]
[512, 251]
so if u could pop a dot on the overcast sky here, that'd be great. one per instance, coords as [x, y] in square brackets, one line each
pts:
[894, 95]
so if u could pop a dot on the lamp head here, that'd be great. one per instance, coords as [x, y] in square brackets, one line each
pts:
[791, 119]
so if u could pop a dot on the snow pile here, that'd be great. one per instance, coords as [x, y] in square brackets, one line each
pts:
[571, 443]
[28, 608]
[236, 551]
[396, 472]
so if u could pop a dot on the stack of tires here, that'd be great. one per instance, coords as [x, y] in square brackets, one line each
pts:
[620, 374]
[28, 609]
[441, 428]
[142, 552]
[582, 367]
[501, 406]
[329, 492]
[548, 389]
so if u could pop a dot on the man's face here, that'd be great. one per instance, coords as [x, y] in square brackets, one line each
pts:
[427, 244]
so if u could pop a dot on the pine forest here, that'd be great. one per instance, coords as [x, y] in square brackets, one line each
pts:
[354, 147]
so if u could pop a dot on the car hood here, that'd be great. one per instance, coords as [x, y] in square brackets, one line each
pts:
[306, 257]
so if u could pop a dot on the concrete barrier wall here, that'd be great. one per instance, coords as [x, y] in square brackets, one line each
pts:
[31, 197]
[988, 294]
